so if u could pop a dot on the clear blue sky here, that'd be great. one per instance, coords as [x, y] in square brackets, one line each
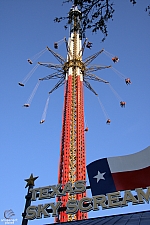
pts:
[27, 147]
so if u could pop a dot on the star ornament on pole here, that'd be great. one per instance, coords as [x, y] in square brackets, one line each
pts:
[30, 181]
[100, 176]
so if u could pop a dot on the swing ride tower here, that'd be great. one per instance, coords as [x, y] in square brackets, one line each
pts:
[73, 72]
[72, 166]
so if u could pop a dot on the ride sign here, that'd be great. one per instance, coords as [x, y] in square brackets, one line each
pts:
[86, 204]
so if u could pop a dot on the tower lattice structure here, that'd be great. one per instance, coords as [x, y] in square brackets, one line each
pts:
[74, 73]
[72, 165]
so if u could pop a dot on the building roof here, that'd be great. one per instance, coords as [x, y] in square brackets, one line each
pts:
[138, 218]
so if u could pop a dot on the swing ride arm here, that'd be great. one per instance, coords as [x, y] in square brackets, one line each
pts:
[92, 57]
[68, 48]
[57, 56]
[97, 67]
[51, 65]
[91, 76]
[87, 84]
[83, 47]
[53, 76]
[59, 83]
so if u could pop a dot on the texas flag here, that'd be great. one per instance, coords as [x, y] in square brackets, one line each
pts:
[120, 173]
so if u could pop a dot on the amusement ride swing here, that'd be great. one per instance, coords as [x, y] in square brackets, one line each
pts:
[59, 74]
[74, 73]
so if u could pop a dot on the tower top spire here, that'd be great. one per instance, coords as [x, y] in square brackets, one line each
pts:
[74, 20]
[74, 10]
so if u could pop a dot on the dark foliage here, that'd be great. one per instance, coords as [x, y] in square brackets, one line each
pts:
[95, 15]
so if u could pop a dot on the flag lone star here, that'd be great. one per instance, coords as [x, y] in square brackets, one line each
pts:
[119, 170]
[99, 176]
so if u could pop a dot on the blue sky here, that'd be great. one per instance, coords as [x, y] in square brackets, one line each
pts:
[27, 147]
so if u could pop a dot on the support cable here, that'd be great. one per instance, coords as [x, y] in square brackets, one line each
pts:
[85, 124]
[61, 41]
[108, 54]
[103, 108]
[115, 93]
[127, 80]
[68, 48]
[32, 95]
[118, 73]
[45, 111]
[122, 103]
[115, 59]
[35, 57]
[83, 47]
[27, 77]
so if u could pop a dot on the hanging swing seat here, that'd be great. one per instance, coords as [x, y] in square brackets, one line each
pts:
[86, 129]
[89, 45]
[26, 105]
[128, 81]
[56, 45]
[29, 61]
[108, 121]
[42, 121]
[122, 104]
[21, 84]
[115, 59]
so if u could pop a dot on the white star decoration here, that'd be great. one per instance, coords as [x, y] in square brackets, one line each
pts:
[99, 176]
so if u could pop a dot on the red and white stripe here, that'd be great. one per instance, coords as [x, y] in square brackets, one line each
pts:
[131, 171]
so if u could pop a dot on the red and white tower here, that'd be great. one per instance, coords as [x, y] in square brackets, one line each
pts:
[72, 72]
[72, 166]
